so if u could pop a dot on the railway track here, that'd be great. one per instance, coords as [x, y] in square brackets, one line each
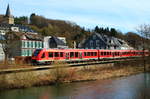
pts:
[45, 67]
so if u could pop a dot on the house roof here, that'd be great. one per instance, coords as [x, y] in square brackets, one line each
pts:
[29, 36]
[33, 37]
[2, 37]
[111, 41]
[58, 41]
[22, 28]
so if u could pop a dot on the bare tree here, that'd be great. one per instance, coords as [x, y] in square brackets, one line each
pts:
[144, 31]
[7, 43]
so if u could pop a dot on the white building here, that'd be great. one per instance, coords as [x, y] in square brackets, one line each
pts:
[54, 42]
[2, 55]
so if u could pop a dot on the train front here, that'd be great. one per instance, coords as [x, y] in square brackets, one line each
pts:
[36, 56]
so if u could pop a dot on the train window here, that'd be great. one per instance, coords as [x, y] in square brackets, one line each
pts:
[61, 54]
[110, 53]
[105, 53]
[124, 53]
[102, 53]
[92, 54]
[71, 54]
[43, 55]
[77, 54]
[56, 54]
[115, 53]
[140, 53]
[88, 54]
[85, 54]
[36, 52]
[95, 54]
[50, 54]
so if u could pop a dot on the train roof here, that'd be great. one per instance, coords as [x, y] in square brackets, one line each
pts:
[73, 50]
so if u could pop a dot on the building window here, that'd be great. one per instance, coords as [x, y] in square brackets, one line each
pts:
[22, 52]
[97, 43]
[23, 44]
[35, 44]
[91, 43]
[27, 44]
[97, 48]
[28, 52]
[31, 44]
[40, 44]
[94, 37]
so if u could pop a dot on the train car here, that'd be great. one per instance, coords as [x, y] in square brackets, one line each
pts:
[104, 54]
[71, 55]
[50, 55]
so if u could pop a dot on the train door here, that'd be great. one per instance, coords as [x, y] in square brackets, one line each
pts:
[80, 55]
[98, 54]
[67, 56]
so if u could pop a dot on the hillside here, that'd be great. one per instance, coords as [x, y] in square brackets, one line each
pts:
[72, 31]
[1, 18]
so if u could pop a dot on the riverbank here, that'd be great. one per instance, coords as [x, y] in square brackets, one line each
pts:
[71, 74]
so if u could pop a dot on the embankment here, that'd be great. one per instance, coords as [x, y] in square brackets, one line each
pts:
[71, 74]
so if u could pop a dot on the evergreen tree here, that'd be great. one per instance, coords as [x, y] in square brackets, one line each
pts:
[96, 29]
[21, 20]
[113, 32]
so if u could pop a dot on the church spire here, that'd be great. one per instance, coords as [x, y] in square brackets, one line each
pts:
[9, 19]
[8, 14]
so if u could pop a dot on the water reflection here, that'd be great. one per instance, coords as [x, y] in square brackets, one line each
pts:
[133, 87]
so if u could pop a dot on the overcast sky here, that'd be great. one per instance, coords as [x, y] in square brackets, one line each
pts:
[124, 15]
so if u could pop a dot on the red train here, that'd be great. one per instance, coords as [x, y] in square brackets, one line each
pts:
[49, 55]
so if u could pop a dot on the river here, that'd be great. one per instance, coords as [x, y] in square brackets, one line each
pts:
[132, 87]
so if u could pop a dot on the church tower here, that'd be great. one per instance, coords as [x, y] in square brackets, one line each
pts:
[9, 19]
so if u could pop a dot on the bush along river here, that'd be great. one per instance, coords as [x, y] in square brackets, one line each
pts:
[131, 87]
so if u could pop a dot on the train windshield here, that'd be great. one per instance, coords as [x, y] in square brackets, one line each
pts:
[36, 52]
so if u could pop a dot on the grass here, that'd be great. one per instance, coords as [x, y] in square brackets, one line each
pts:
[61, 73]
[13, 64]
[72, 74]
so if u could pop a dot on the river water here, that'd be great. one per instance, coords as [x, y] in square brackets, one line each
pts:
[133, 87]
